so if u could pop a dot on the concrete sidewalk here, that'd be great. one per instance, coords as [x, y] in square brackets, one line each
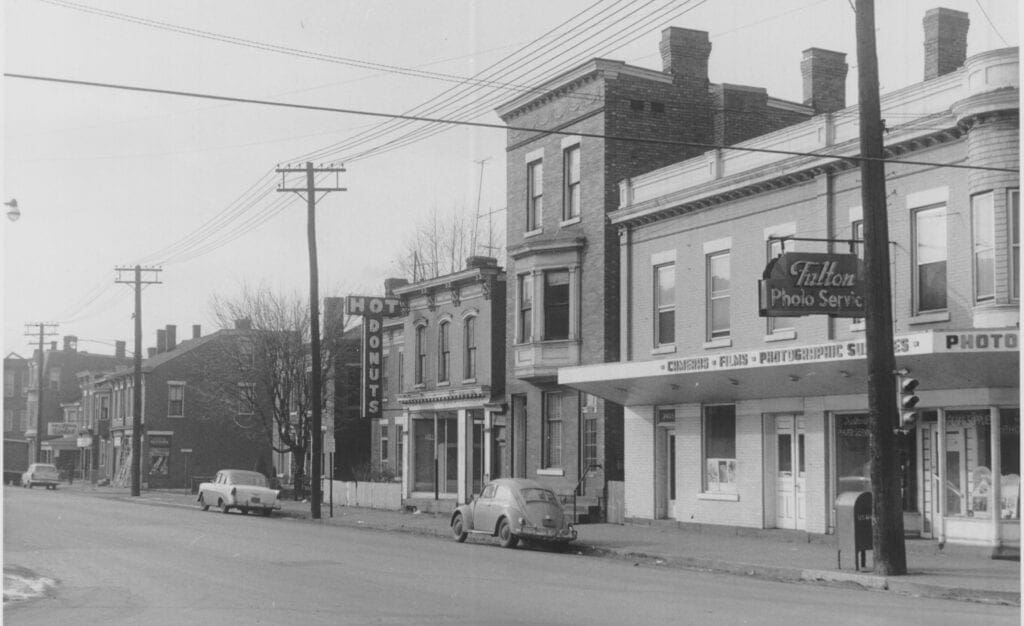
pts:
[957, 573]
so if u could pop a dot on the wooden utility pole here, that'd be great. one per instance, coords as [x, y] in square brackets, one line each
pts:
[889, 551]
[311, 190]
[138, 282]
[46, 329]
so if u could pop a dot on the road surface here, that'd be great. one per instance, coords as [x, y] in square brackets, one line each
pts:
[118, 562]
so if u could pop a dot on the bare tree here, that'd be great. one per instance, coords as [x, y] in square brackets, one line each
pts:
[274, 350]
[440, 242]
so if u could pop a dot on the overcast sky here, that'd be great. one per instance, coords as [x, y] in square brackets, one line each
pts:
[106, 178]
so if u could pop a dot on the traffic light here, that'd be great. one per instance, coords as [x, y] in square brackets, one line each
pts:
[906, 400]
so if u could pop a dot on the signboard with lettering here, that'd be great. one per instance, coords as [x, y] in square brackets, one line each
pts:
[373, 310]
[62, 428]
[812, 283]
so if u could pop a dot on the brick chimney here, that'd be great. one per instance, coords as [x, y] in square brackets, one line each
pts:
[474, 262]
[945, 41]
[172, 337]
[824, 73]
[119, 349]
[70, 343]
[243, 324]
[53, 346]
[197, 331]
[161, 341]
[390, 284]
[684, 55]
[150, 352]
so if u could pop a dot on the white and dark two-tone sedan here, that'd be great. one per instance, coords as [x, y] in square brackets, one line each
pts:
[238, 489]
[514, 509]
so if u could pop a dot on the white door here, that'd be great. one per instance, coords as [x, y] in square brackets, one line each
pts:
[790, 472]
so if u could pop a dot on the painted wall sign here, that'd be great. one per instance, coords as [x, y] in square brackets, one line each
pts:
[159, 441]
[373, 310]
[62, 428]
[812, 283]
[977, 341]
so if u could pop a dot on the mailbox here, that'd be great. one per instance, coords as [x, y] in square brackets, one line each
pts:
[853, 527]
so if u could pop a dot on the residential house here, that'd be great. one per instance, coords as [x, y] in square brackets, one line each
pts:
[563, 300]
[202, 410]
[733, 419]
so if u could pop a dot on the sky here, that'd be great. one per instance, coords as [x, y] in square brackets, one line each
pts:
[107, 178]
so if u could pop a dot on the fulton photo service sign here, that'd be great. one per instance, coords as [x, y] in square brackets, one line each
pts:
[373, 311]
[812, 283]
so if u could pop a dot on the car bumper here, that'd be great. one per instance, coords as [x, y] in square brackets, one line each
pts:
[547, 534]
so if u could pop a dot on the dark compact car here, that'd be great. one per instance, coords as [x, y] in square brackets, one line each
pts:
[513, 509]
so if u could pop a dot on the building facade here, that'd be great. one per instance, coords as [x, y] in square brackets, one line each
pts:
[444, 378]
[198, 411]
[736, 419]
[563, 255]
[16, 419]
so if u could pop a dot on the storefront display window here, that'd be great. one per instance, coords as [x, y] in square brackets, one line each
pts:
[969, 471]
[720, 449]
[853, 458]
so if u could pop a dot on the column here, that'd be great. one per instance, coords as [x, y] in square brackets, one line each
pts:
[465, 431]
[940, 523]
[488, 443]
[996, 506]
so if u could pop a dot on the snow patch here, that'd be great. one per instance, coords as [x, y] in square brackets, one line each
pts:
[22, 585]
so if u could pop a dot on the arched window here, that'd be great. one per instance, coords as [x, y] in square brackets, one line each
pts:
[443, 351]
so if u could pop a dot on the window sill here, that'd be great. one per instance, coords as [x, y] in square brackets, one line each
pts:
[722, 342]
[664, 349]
[469, 381]
[444, 383]
[929, 318]
[785, 334]
[723, 497]
[419, 386]
[570, 221]
[533, 233]
[178, 417]
[551, 471]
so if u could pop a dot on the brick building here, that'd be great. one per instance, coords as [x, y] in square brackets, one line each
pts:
[16, 419]
[736, 419]
[444, 376]
[198, 411]
[563, 257]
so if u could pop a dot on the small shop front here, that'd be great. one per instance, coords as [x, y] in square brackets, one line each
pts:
[448, 449]
[770, 438]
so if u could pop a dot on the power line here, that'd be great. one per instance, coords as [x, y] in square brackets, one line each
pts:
[502, 127]
[989, 20]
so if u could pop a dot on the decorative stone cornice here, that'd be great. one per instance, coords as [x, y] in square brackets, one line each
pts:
[438, 396]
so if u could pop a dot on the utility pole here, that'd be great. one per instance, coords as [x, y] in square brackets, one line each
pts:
[138, 282]
[46, 329]
[311, 190]
[889, 551]
[479, 192]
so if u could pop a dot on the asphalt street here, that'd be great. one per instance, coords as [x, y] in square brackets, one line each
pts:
[117, 562]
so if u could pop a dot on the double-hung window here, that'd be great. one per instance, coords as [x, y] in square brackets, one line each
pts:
[983, 235]
[720, 448]
[1014, 201]
[245, 353]
[572, 182]
[246, 398]
[552, 429]
[535, 194]
[665, 304]
[776, 324]
[930, 256]
[556, 304]
[469, 341]
[421, 354]
[525, 308]
[383, 442]
[175, 399]
[718, 275]
[444, 355]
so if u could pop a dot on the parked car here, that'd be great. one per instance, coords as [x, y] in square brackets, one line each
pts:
[238, 489]
[512, 509]
[40, 474]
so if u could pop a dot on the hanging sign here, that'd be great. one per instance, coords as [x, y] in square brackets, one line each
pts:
[373, 310]
[812, 283]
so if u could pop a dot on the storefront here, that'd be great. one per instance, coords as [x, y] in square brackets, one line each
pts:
[769, 438]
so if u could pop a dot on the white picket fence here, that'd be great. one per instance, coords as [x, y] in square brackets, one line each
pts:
[369, 495]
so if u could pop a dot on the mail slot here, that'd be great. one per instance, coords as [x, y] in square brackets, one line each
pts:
[853, 527]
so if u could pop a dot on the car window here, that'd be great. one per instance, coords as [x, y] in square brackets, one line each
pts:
[488, 492]
[503, 494]
[533, 494]
[252, 479]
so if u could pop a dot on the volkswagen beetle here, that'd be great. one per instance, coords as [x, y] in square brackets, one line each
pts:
[512, 509]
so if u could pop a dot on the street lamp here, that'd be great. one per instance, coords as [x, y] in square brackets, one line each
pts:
[13, 213]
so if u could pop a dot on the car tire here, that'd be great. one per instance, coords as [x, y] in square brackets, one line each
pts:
[266, 512]
[28, 485]
[224, 508]
[202, 503]
[244, 511]
[506, 536]
[459, 528]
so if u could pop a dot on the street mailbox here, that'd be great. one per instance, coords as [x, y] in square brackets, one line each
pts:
[853, 527]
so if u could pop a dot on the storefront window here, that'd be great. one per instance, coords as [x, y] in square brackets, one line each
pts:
[720, 449]
[853, 469]
[969, 436]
